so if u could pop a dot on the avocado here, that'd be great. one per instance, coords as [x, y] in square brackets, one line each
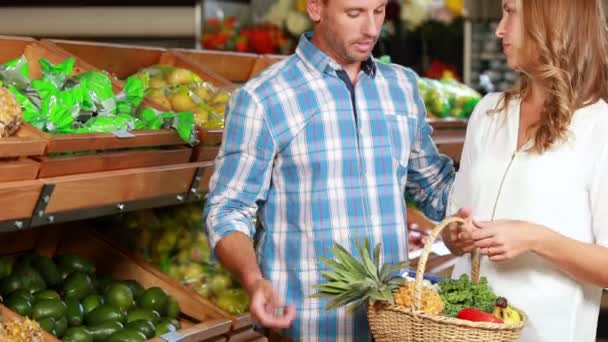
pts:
[74, 312]
[47, 269]
[48, 308]
[19, 305]
[77, 334]
[103, 313]
[75, 263]
[155, 299]
[142, 314]
[127, 335]
[145, 327]
[78, 285]
[101, 332]
[61, 325]
[46, 295]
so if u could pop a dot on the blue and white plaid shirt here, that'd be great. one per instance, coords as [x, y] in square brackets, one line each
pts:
[321, 166]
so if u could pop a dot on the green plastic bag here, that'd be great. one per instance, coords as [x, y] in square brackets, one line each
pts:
[462, 98]
[132, 95]
[16, 73]
[435, 98]
[99, 96]
[57, 73]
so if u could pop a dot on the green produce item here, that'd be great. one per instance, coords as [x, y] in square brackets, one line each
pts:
[46, 295]
[18, 304]
[127, 335]
[91, 302]
[102, 282]
[75, 262]
[98, 95]
[47, 269]
[10, 284]
[219, 282]
[6, 267]
[30, 279]
[61, 325]
[174, 322]
[74, 312]
[155, 299]
[77, 334]
[132, 95]
[135, 287]
[139, 314]
[101, 332]
[145, 327]
[48, 308]
[65, 273]
[462, 98]
[78, 285]
[25, 294]
[186, 128]
[15, 73]
[172, 308]
[233, 301]
[462, 293]
[120, 296]
[104, 313]
[163, 327]
[58, 73]
[48, 324]
[435, 98]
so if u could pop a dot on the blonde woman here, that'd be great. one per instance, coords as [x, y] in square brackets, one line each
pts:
[534, 171]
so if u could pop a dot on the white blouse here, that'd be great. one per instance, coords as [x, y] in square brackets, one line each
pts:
[563, 189]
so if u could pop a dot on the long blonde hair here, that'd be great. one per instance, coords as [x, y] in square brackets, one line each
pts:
[565, 51]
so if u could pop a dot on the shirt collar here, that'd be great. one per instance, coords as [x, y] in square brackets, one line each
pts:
[317, 59]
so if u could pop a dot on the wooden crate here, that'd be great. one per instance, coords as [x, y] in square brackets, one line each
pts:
[18, 199]
[200, 322]
[14, 152]
[264, 62]
[101, 143]
[235, 67]
[123, 61]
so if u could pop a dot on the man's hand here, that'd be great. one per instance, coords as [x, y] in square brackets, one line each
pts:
[267, 307]
[457, 236]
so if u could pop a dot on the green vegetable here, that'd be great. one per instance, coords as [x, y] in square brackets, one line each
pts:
[462, 293]
[233, 301]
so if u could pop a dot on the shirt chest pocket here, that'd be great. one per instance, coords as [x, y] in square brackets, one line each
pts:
[401, 128]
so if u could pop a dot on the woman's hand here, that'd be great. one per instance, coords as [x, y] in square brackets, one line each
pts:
[457, 236]
[505, 240]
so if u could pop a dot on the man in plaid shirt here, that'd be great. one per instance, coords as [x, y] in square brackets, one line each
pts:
[322, 146]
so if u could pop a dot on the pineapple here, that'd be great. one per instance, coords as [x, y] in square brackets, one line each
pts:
[21, 330]
[10, 113]
[430, 300]
[356, 283]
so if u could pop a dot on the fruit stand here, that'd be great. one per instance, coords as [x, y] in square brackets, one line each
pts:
[52, 184]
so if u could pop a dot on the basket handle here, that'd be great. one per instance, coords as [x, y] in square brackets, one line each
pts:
[475, 257]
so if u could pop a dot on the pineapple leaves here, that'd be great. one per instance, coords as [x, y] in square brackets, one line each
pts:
[354, 283]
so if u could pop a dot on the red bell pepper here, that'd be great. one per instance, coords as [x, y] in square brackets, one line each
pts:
[475, 315]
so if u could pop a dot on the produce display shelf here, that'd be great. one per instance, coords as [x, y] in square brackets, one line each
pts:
[102, 144]
[235, 67]
[200, 320]
[40, 202]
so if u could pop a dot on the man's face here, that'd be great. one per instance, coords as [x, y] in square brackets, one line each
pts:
[349, 27]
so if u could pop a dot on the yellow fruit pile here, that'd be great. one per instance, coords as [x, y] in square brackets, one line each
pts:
[181, 90]
[10, 113]
[430, 303]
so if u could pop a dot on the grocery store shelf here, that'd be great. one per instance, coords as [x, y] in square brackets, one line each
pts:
[70, 198]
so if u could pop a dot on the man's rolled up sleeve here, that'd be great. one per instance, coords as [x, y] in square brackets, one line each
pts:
[242, 171]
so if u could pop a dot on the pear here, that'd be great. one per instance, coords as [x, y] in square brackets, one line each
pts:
[182, 76]
[182, 102]
[157, 82]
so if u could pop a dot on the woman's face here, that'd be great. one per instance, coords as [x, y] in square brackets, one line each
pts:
[510, 30]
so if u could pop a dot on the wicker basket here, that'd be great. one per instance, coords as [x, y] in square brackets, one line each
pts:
[395, 323]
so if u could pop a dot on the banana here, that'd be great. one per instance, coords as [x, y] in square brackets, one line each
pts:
[510, 315]
[498, 312]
